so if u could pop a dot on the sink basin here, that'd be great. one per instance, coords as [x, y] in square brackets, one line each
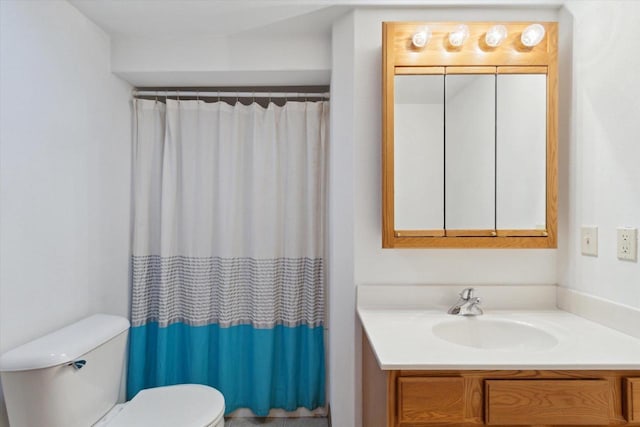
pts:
[492, 334]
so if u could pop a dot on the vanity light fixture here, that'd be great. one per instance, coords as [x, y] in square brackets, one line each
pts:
[532, 35]
[459, 36]
[495, 35]
[421, 38]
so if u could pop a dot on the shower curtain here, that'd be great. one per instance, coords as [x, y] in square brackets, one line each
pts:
[228, 244]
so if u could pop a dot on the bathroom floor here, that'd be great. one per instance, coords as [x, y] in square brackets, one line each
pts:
[277, 422]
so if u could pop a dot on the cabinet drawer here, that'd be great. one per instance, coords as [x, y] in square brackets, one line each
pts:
[633, 400]
[430, 400]
[566, 402]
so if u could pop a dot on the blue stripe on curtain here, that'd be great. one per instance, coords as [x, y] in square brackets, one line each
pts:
[281, 367]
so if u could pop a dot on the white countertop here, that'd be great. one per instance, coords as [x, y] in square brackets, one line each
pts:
[403, 338]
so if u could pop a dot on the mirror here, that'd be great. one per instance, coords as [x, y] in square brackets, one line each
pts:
[470, 153]
[469, 150]
[521, 158]
[470, 159]
[418, 151]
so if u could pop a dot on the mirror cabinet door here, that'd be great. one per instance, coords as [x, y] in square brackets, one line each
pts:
[418, 151]
[470, 152]
[521, 128]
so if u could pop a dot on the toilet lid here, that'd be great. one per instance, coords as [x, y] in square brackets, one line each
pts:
[185, 405]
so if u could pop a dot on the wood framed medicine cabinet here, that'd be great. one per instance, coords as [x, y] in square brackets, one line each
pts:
[469, 141]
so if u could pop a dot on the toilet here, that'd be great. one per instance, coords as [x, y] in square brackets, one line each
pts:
[73, 377]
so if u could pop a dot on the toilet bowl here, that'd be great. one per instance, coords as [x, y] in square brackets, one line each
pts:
[188, 405]
[72, 378]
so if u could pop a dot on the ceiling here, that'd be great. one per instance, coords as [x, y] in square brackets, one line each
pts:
[184, 18]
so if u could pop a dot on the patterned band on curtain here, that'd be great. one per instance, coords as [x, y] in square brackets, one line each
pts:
[228, 274]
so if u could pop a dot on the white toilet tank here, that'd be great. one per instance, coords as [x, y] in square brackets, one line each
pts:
[68, 378]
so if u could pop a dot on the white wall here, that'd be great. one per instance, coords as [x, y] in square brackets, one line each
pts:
[356, 169]
[603, 186]
[344, 336]
[65, 150]
[223, 60]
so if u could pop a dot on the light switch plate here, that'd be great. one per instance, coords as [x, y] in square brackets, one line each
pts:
[589, 240]
[627, 243]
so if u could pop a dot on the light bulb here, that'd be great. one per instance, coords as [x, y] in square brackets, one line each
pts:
[421, 38]
[495, 35]
[459, 36]
[532, 35]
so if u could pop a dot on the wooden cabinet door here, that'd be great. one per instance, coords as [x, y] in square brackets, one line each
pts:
[433, 400]
[551, 402]
[633, 400]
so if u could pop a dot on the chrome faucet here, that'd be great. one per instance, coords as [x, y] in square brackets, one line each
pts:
[467, 304]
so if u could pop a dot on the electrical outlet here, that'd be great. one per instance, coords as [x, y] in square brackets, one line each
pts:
[627, 243]
[589, 241]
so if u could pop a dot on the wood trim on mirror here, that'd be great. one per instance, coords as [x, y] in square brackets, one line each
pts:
[419, 233]
[470, 70]
[399, 71]
[469, 233]
[522, 70]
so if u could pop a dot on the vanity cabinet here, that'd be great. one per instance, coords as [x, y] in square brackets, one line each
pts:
[423, 398]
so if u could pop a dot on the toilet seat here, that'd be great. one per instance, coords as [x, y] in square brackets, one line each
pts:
[184, 405]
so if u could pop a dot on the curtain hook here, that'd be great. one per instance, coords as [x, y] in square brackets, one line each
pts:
[237, 97]
[178, 95]
[269, 98]
[198, 96]
[254, 97]
[218, 96]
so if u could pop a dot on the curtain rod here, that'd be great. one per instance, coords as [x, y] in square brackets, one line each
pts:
[223, 94]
